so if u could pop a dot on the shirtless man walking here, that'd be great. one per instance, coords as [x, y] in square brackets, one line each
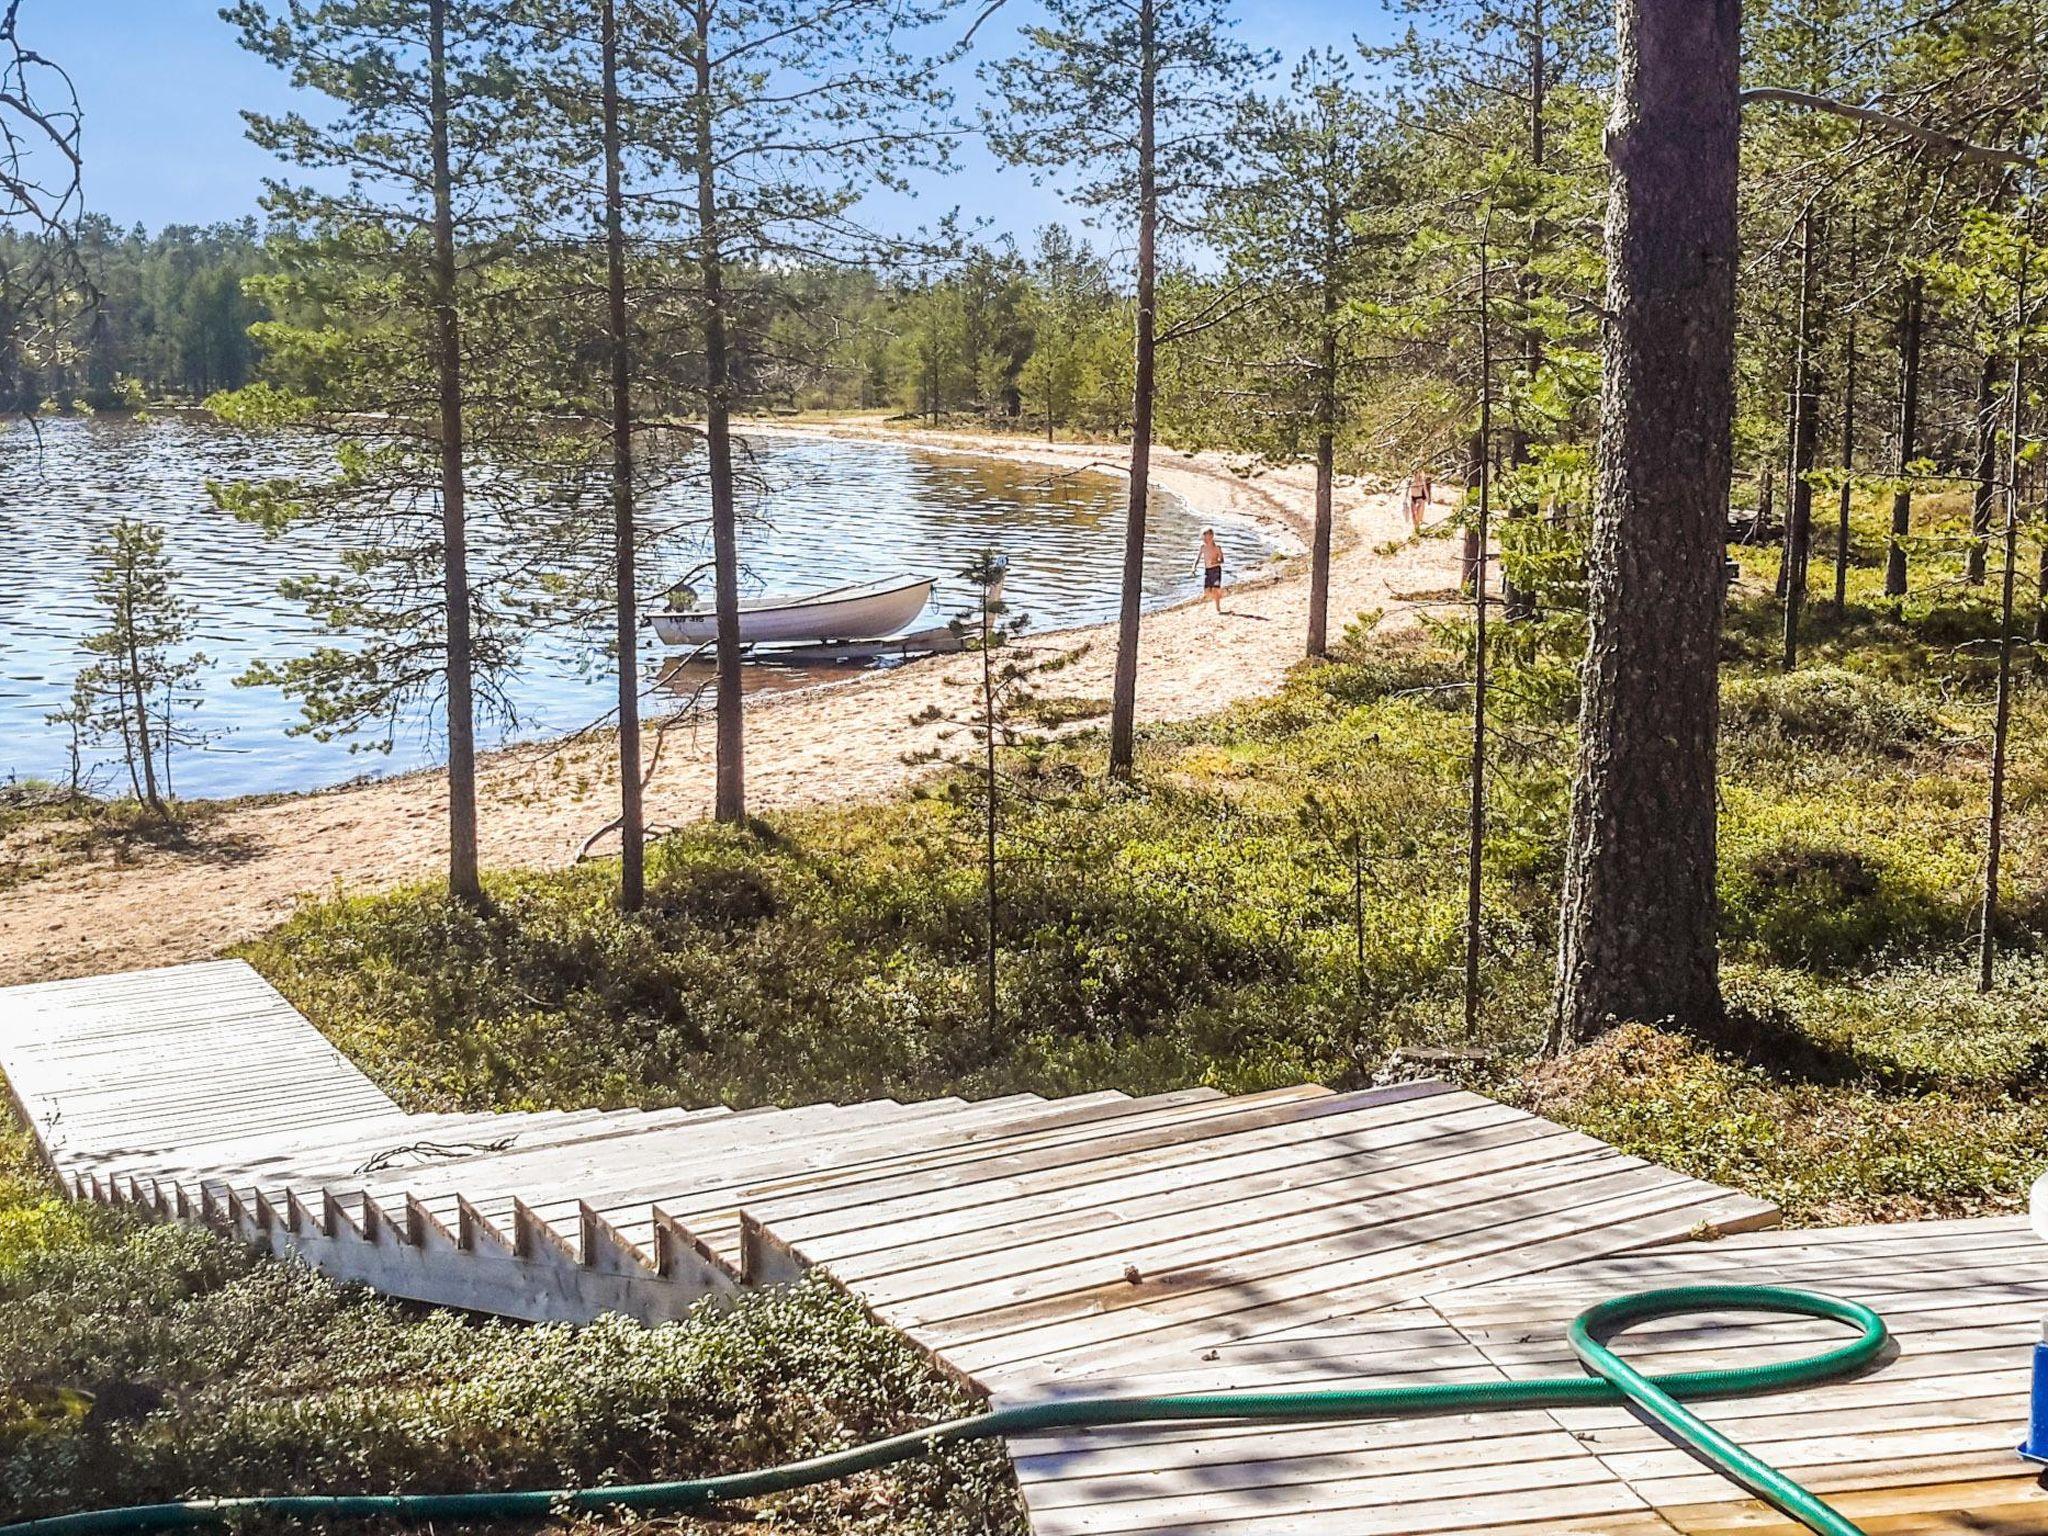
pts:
[1211, 562]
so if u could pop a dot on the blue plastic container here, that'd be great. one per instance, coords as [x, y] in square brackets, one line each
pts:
[2036, 1447]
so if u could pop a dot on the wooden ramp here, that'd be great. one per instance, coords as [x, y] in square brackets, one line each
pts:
[1097, 1243]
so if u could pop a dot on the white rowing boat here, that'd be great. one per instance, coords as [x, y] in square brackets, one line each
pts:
[867, 611]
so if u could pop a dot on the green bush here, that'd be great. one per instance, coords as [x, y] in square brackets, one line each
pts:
[1826, 1155]
[1830, 710]
[141, 1363]
[1831, 882]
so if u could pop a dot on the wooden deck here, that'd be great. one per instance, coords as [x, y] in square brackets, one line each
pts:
[1922, 1443]
[1093, 1244]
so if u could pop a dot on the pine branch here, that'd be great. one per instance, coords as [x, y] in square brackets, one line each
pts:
[1989, 154]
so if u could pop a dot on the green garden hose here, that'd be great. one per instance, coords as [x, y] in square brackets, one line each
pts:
[1612, 1380]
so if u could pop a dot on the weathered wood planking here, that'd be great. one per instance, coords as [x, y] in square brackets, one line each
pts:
[1923, 1442]
[1158, 1245]
[148, 1060]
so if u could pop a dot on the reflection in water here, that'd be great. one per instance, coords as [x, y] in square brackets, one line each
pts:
[689, 681]
[820, 513]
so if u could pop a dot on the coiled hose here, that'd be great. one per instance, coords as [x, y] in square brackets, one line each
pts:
[1612, 1380]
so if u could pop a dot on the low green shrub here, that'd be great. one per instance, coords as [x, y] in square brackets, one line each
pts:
[141, 1363]
[1830, 882]
[1826, 1154]
[1830, 710]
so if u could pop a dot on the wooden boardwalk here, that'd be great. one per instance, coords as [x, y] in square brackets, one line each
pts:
[1922, 1443]
[1092, 1244]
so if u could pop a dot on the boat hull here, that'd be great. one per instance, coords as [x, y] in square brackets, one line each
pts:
[851, 613]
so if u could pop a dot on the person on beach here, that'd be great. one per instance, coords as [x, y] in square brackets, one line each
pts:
[1419, 492]
[1211, 562]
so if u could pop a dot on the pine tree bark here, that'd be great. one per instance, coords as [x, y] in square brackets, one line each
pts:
[143, 748]
[729, 801]
[464, 881]
[632, 821]
[1912, 301]
[1984, 496]
[1123, 712]
[1805, 438]
[1842, 506]
[2001, 727]
[1791, 474]
[1516, 603]
[1639, 914]
[1326, 446]
[1475, 824]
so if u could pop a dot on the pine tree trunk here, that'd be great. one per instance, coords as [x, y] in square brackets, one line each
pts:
[2001, 727]
[1805, 439]
[464, 881]
[1319, 546]
[1842, 509]
[1911, 303]
[1475, 825]
[1639, 911]
[1516, 603]
[991, 1001]
[1326, 447]
[632, 825]
[1791, 473]
[730, 798]
[1123, 714]
[144, 748]
[1984, 495]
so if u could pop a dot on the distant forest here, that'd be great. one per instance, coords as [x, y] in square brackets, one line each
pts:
[171, 320]
[1041, 337]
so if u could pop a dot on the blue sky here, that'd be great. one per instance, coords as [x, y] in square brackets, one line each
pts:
[163, 82]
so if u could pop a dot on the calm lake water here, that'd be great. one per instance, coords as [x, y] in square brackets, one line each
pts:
[820, 513]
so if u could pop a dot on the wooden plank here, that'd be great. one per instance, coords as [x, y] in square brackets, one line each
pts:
[1568, 1487]
[793, 1143]
[1069, 1203]
[1098, 1139]
[1250, 1226]
[1412, 1249]
[1258, 1138]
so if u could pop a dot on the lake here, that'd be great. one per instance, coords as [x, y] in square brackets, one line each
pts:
[818, 513]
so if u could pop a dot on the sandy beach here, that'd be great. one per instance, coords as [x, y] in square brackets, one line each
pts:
[839, 740]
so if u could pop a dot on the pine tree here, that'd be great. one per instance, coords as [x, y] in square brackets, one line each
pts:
[411, 357]
[1134, 100]
[140, 683]
[771, 177]
[1310, 225]
[1005, 678]
[43, 282]
[1639, 920]
[1069, 293]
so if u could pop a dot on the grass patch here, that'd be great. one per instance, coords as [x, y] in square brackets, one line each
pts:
[45, 828]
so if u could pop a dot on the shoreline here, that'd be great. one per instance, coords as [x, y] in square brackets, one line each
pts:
[829, 741]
